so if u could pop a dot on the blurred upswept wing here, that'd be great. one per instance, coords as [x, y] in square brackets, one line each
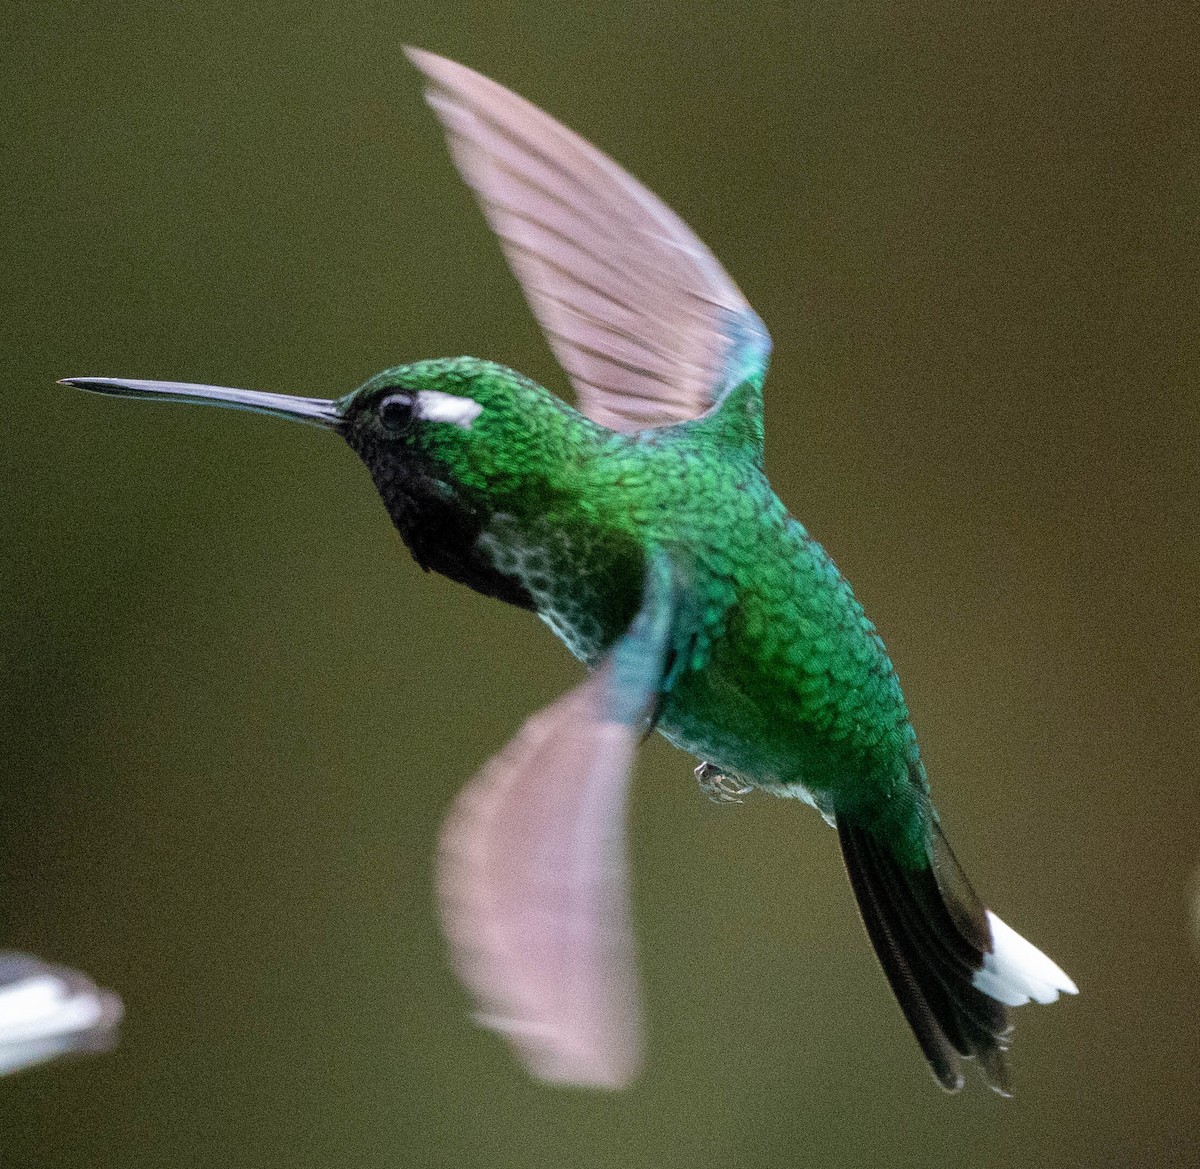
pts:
[47, 1011]
[640, 314]
[531, 870]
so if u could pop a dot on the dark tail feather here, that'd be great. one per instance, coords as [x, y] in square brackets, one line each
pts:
[931, 935]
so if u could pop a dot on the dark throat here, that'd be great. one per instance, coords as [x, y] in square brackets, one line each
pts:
[439, 526]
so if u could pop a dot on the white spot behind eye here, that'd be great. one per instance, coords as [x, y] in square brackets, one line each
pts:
[435, 406]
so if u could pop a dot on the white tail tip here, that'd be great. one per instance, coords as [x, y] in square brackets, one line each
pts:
[1016, 971]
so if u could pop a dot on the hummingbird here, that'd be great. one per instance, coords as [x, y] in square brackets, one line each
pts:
[639, 525]
[47, 1011]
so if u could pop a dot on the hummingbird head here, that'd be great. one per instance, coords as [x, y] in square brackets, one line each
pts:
[478, 428]
[449, 443]
[453, 442]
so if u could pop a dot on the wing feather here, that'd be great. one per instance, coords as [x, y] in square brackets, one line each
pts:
[532, 882]
[645, 321]
[532, 886]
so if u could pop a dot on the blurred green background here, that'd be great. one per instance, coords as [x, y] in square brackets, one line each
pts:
[234, 711]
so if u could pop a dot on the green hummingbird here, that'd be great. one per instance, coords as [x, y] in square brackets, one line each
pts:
[642, 529]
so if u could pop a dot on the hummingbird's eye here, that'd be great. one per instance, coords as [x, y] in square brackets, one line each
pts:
[396, 412]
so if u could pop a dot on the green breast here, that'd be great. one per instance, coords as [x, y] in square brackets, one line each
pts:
[789, 687]
[798, 688]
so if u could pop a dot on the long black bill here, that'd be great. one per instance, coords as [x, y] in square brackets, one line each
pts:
[315, 411]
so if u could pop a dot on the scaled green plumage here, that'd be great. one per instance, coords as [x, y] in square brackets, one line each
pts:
[788, 686]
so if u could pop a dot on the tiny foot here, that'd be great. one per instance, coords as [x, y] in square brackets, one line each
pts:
[720, 789]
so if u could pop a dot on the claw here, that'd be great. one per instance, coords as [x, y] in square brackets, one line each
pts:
[720, 789]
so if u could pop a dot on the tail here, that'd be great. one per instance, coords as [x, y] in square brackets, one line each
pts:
[953, 965]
